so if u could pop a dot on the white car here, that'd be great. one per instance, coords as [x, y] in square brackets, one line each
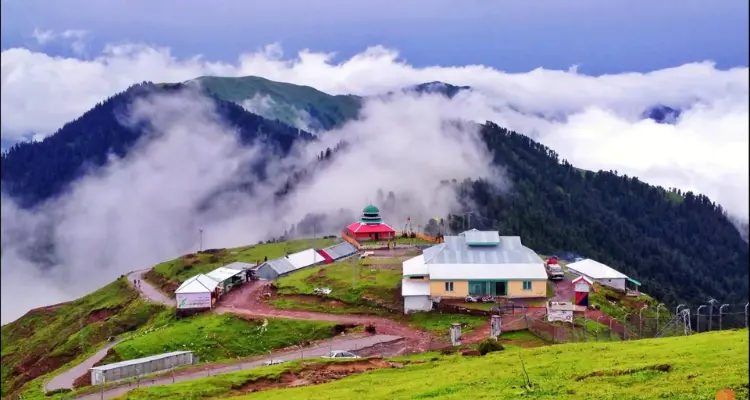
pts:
[274, 362]
[341, 354]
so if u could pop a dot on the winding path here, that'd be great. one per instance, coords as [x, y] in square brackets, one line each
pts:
[65, 380]
[198, 372]
[147, 291]
[247, 300]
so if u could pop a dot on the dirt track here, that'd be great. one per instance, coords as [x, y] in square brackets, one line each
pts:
[246, 300]
[147, 291]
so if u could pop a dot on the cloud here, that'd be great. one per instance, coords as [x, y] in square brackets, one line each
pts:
[74, 38]
[141, 210]
[149, 207]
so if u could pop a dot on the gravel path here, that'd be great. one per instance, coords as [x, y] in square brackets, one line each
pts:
[346, 344]
[247, 300]
[65, 380]
[149, 292]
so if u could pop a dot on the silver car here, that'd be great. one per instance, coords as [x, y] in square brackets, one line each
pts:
[274, 362]
[341, 354]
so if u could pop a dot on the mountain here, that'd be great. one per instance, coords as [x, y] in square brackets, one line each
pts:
[681, 246]
[436, 87]
[299, 106]
[662, 114]
[36, 171]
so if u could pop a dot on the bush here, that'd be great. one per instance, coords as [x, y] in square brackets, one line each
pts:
[489, 345]
[370, 329]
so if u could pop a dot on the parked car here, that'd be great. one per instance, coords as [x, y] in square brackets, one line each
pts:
[274, 362]
[341, 354]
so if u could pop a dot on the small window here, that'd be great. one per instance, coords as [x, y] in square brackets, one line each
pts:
[448, 286]
[417, 277]
[526, 285]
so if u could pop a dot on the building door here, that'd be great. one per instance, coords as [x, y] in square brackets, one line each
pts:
[500, 289]
[377, 236]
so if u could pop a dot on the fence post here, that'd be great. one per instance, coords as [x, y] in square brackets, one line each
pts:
[698, 319]
[746, 314]
[721, 311]
[676, 323]
[598, 326]
[625, 326]
[640, 322]
[657, 316]
[610, 327]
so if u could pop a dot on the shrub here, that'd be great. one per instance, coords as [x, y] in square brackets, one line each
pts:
[489, 345]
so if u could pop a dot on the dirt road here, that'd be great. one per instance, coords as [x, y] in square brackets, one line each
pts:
[65, 380]
[347, 344]
[246, 300]
[149, 292]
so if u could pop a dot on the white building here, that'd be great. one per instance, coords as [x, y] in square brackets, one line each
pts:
[196, 293]
[601, 274]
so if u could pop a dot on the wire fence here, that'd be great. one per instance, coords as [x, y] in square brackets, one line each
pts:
[633, 327]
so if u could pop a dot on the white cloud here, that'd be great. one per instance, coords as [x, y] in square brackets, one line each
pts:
[140, 211]
[74, 38]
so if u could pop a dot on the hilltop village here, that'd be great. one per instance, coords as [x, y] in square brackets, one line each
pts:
[370, 292]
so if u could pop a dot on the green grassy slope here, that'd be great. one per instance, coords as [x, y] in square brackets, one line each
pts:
[168, 275]
[45, 339]
[218, 337]
[286, 100]
[698, 366]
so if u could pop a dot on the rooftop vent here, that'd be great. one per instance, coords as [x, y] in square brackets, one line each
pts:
[476, 238]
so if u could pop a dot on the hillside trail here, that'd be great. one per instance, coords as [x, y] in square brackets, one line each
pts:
[65, 380]
[247, 300]
[356, 345]
[147, 291]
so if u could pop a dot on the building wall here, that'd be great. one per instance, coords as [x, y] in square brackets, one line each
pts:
[366, 236]
[417, 303]
[266, 272]
[460, 289]
[614, 283]
[538, 289]
[134, 370]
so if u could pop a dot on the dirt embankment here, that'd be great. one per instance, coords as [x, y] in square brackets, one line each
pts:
[314, 374]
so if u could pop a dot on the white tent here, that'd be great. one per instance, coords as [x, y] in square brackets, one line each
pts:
[305, 258]
[195, 292]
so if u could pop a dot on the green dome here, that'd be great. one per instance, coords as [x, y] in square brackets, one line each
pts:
[370, 210]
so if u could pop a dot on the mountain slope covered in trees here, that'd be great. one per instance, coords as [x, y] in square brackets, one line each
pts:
[36, 171]
[681, 246]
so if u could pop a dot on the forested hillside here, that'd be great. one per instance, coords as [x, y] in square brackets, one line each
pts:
[679, 245]
[34, 172]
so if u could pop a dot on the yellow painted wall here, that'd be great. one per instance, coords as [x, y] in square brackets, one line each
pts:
[460, 289]
[538, 289]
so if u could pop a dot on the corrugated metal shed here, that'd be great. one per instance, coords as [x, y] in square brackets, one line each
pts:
[595, 270]
[239, 266]
[221, 274]
[411, 287]
[305, 258]
[415, 266]
[198, 284]
[340, 250]
[280, 265]
[138, 361]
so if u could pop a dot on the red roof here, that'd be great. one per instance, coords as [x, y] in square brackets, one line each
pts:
[583, 278]
[359, 227]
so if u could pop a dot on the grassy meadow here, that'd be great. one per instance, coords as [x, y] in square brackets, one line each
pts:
[681, 368]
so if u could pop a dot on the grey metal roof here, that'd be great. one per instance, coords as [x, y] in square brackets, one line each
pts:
[281, 265]
[138, 361]
[340, 250]
[475, 237]
[455, 251]
[240, 266]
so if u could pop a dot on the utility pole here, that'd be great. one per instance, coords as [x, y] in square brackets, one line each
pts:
[711, 303]
[354, 271]
[467, 220]
[698, 318]
[200, 235]
[721, 311]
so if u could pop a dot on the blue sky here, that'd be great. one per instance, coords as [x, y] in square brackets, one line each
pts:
[600, 36]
